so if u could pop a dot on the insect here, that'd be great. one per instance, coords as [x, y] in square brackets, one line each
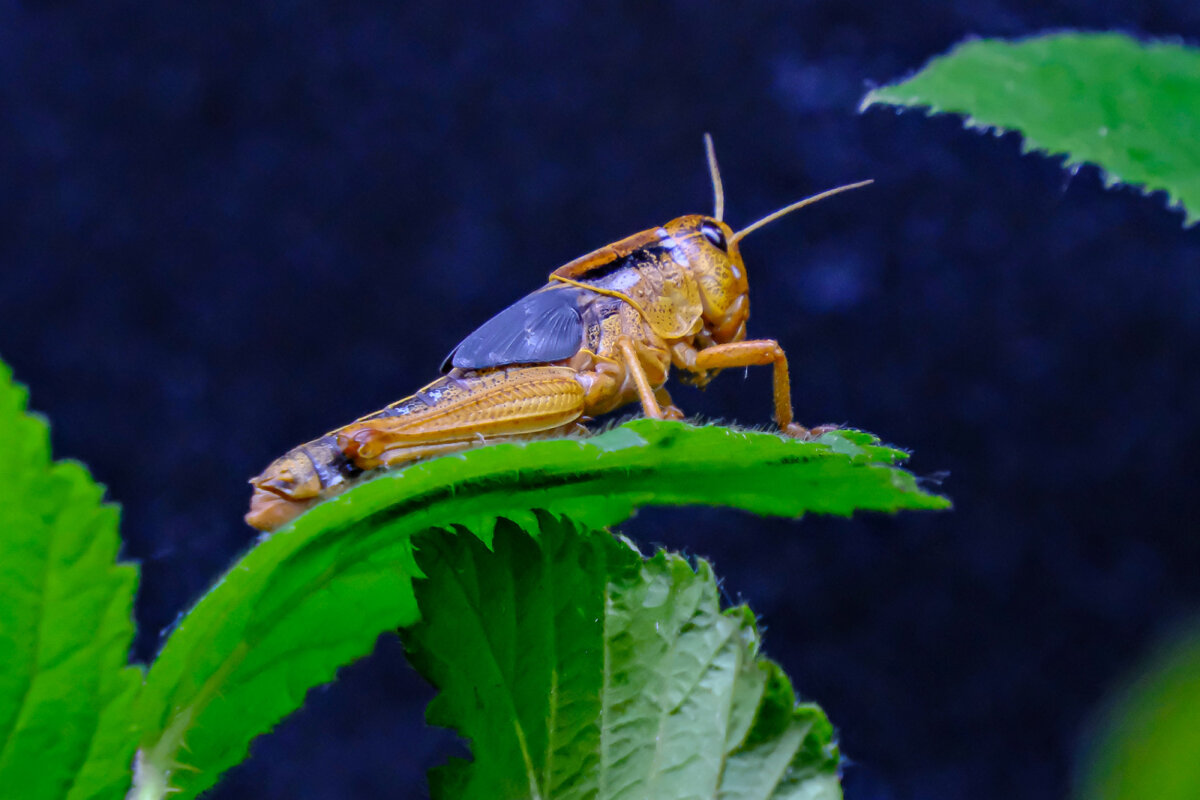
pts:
[603, 332]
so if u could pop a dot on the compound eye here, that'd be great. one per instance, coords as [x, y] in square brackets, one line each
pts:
[714, 234]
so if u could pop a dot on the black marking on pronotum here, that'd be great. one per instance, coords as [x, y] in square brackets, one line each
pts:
[642, 255]
[606, 268]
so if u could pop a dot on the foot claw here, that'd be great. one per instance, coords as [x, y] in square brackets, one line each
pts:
[797, 431]
[672, 412]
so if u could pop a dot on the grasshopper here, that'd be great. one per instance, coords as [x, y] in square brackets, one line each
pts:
[604, 331]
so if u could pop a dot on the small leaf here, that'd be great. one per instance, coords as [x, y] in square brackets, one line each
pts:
[1148, 744]
[66, 622]
[317, 593]
[580, 670]
[1129, 107]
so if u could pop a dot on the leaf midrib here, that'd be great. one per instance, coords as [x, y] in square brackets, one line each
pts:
[509, 697]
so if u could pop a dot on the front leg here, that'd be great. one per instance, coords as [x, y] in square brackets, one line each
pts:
[759, 352]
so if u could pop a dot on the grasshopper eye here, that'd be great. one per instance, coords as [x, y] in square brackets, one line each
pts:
[714, 234]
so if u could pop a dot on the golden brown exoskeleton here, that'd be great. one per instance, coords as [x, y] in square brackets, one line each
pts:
[604, 331]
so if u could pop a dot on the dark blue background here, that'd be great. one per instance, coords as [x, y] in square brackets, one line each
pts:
[226, 228]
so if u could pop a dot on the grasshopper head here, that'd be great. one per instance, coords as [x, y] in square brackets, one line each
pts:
[714, 260]
[710, 255]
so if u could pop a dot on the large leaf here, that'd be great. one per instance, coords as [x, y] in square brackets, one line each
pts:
[316, 594]
[1149, 743]
[66, 622]
[579, 670]
[1130, 107]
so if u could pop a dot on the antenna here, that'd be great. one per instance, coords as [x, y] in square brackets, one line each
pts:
[796, 206]
[714, 170]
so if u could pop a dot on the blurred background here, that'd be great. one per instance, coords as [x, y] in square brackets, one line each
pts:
[224, 231]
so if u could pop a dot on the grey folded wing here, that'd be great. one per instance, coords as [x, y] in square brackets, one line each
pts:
[544, 326]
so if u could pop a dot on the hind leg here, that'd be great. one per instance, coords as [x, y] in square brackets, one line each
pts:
[516, 403]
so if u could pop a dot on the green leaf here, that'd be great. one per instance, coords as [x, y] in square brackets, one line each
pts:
[66, 622]
[578, 669]
[1148, 743]
[317, 593]
[1129, 107]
